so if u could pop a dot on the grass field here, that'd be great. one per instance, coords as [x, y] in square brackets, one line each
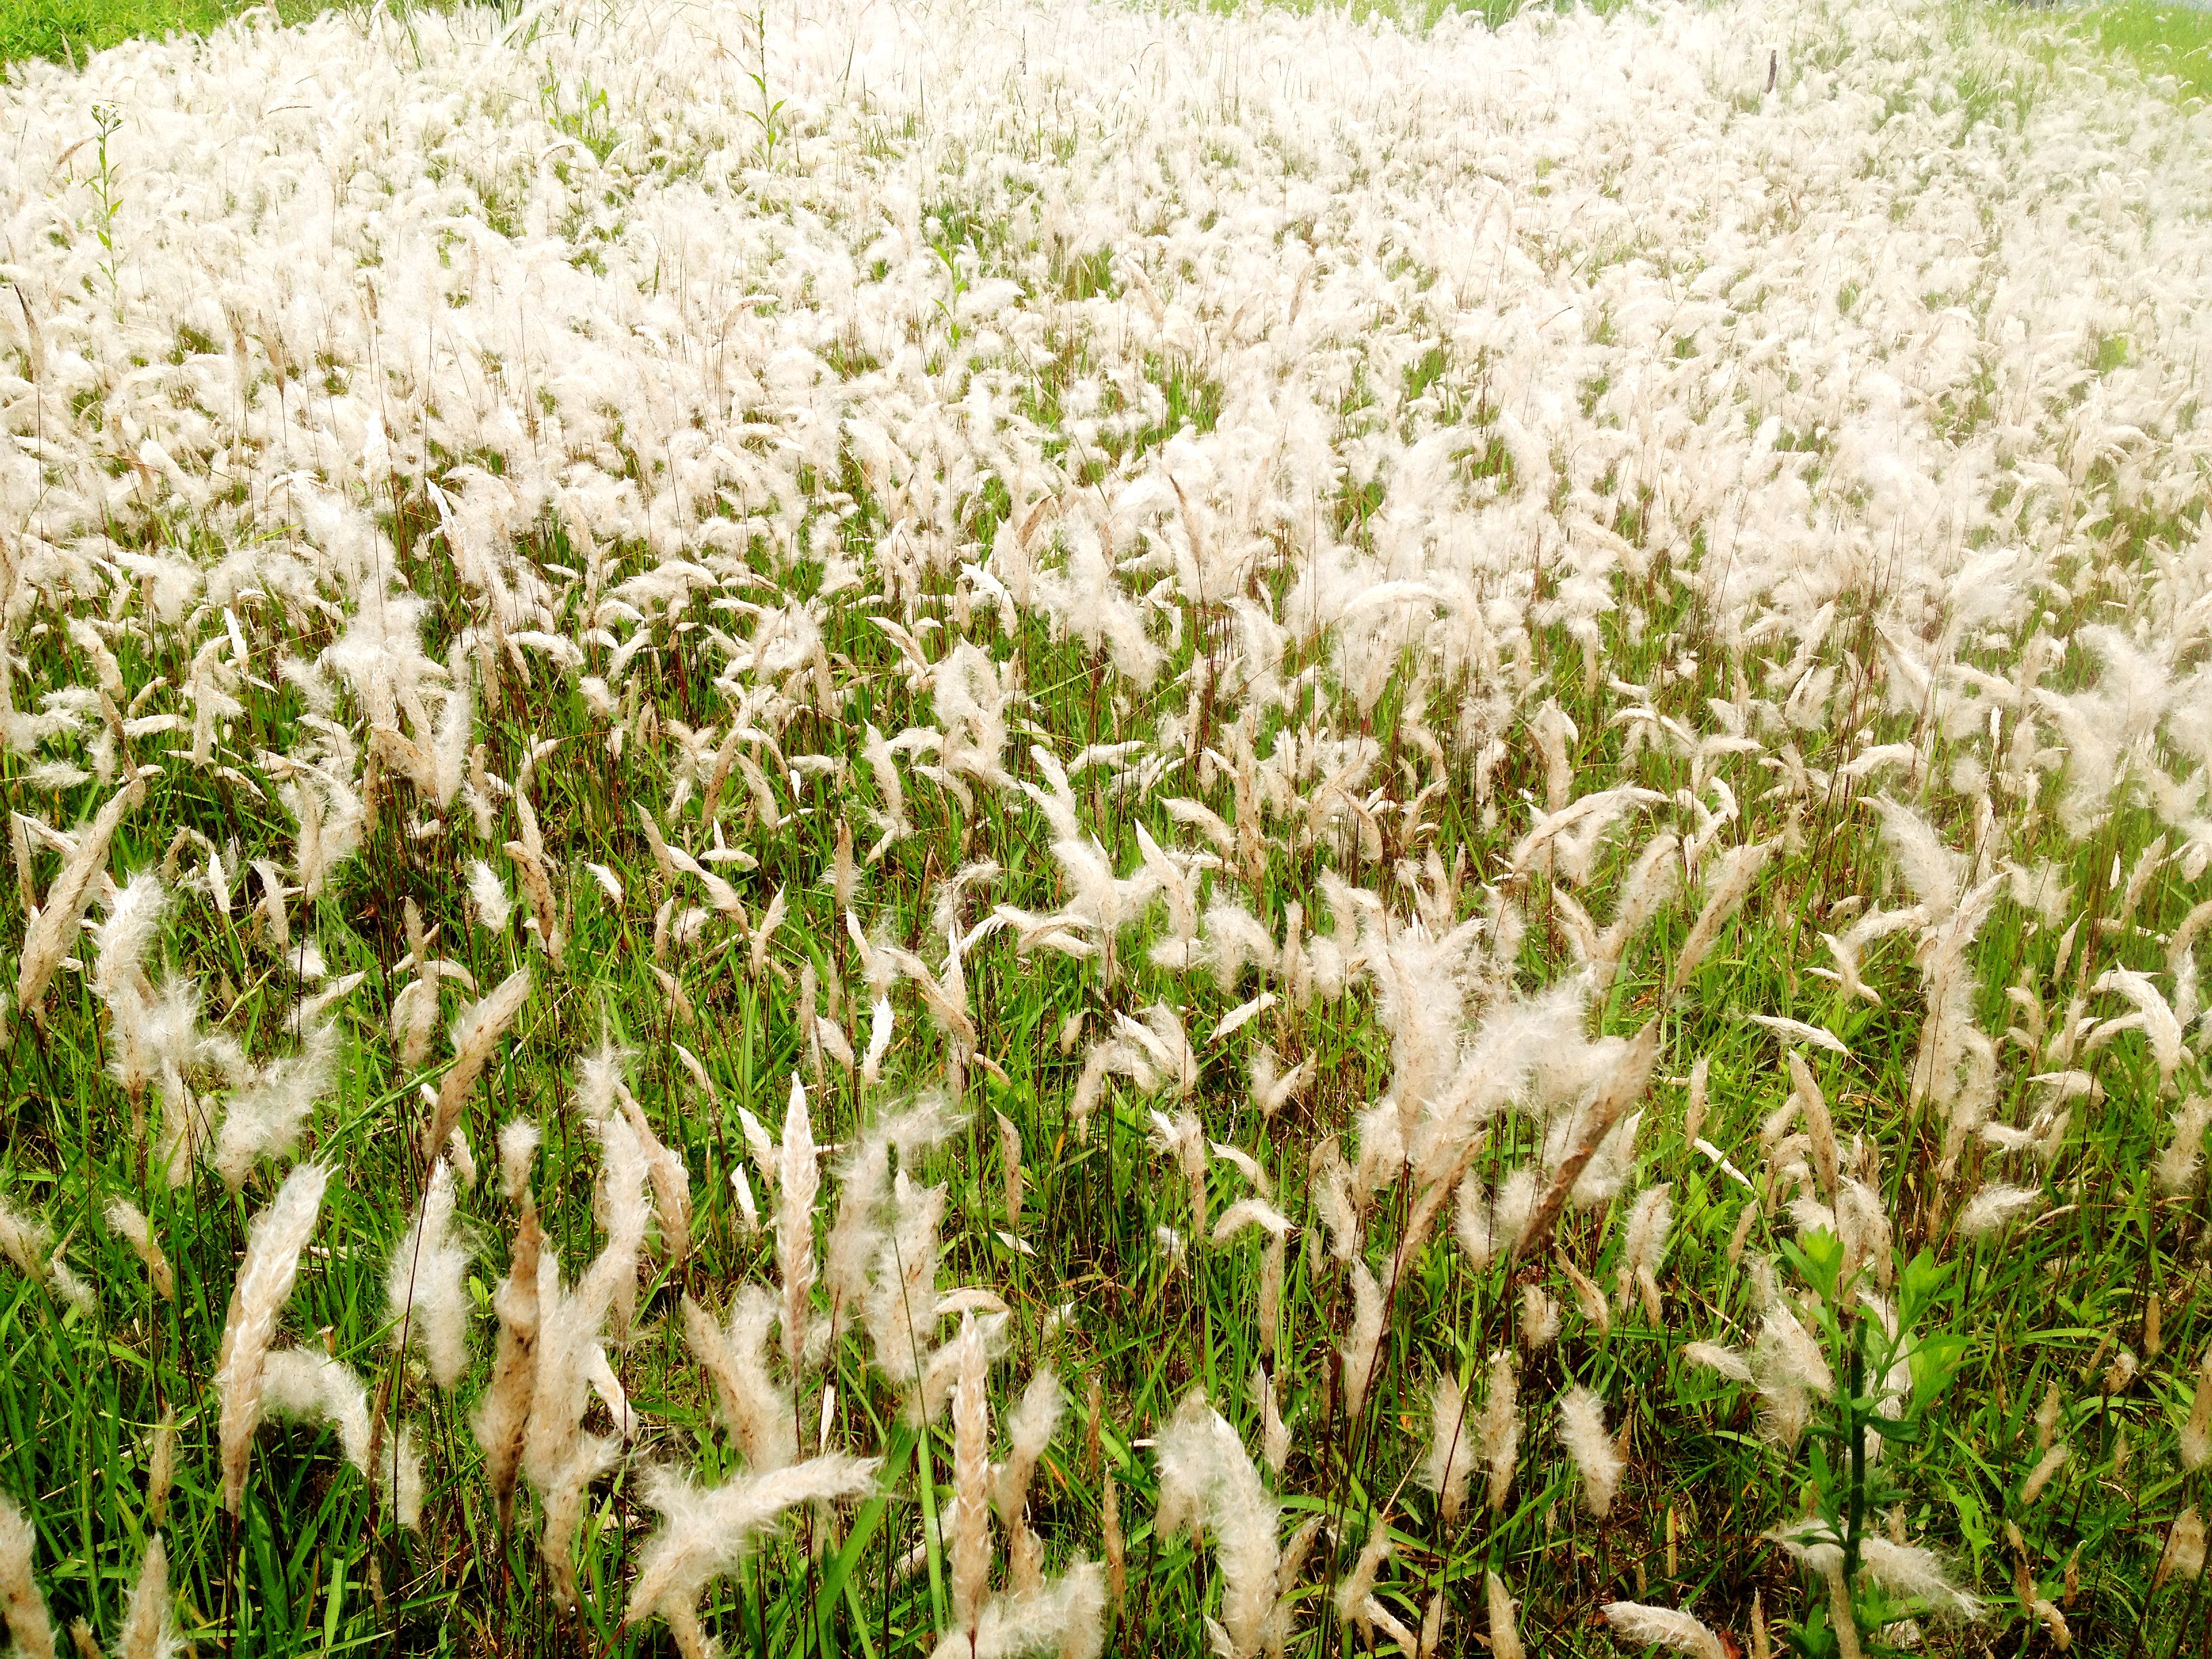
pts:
[1048, 830]
[2163, 40]
[68, 29]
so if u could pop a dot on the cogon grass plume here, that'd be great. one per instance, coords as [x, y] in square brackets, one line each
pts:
[1451, 1447]
[970, 1546]
[798, 1181]
[48, 938]
[475, 1034]
[129, 1222]
[704, 1534]
[754, 1409]
[423, 1285]
[1664, 1627]
[149, 1629]
[1505, 1632]
[29, 1626]
[503, 1416]
[1582, 1431]
[160, 1468]
[1064, 1615]
[1355, 1591]
[309, 1386]
[1207, 1479]
[265, 1277]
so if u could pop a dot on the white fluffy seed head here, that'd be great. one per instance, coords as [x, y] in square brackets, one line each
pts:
[1499, 1431]
[518, 1139]
[426, 1286]
[1539, 1317]
[1582, 1431]
[160, 1467]
[1451, 1446]
[20, 1604]
[1363, 1337]
[970, 1547]
[1505, 1632]
[148, 1621]
[1207, 1481]
[2178, 1166]
[129, 1224]
[1030, 1427]
[134, 921]
[705, 1532]
[797, 1180]
[1664, 1627]
[1996, 1205]
[1909, 1570]
[273, 1243]
[2184, 1548]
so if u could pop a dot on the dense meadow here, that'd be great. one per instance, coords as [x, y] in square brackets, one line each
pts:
[1006, 827]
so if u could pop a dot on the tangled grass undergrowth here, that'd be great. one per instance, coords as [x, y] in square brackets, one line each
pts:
[1009, 829]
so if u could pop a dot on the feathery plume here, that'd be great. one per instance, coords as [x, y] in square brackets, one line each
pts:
[493, 907]
[148, 1621]
[1029, 1428]
[798, 1179]
[671, 1181]
[705, 1533]
[757, 1414]
[2184, 1549]
[1363, 1340]
[1355, 1598]
[425, 1284]
[29, 1626]
[1498, 1429]
[1664, 1627]
[1207, 1479]
[266, 1117]
[2197, 1432]
[1065, 1616]
[501, 1418]
[1504, 1633]
[133, 918]
[971, 1427]
[2178, 1166]
[160, 1467]
[1739, 869]
[1909, 1570]
[1644, 1246]
[1807, 1095]
[475, 1034]
[129, 1223]
[47, 940]
[1624, 1085]
[2041, 1476]
[273, 1242]
[1451, 1447]
[1582, 1431]
[518, 1149]
[1540, 1318]
[1693, 1113]
[1995, 1205]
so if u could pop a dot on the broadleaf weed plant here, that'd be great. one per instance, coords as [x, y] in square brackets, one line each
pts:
[106, 121]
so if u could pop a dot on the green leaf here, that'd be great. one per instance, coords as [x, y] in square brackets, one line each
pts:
[1818, 1256]
[1934, 1361]
[1918, 1286]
